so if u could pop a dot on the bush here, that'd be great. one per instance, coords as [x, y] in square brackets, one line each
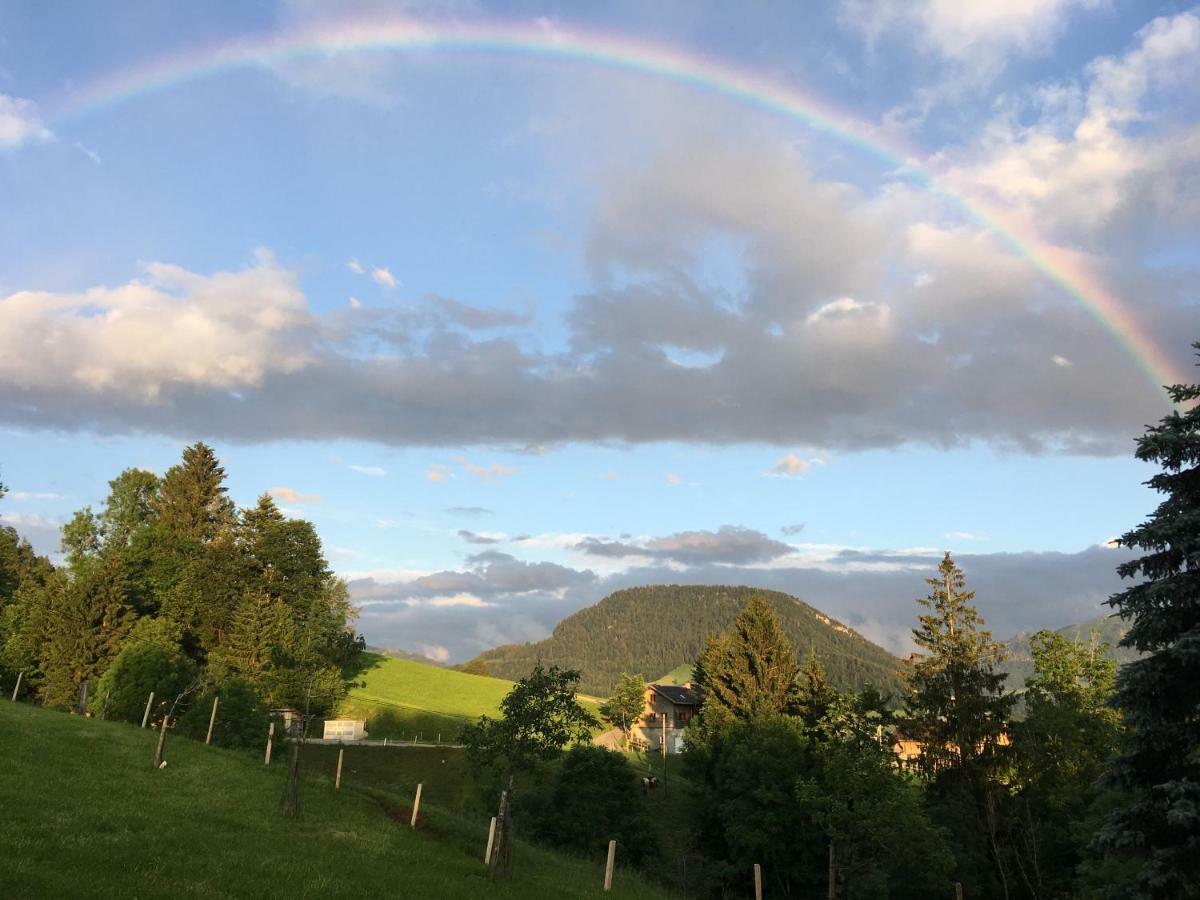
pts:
[137, 670]
[241, 716]
[591, 798]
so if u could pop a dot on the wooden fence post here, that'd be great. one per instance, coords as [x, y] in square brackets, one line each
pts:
[608, 866]
[832, 873]
[416, 807]
[958, 890]
[212, 719]
[162, 739]
[20, 675]
[757, 882]
[83, 697]
[337, 781]
[487, 854]
[270, 740]
[146, 714]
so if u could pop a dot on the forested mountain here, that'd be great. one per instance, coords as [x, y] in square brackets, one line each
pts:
[652, 630]
[169, 576]
[1104, 629]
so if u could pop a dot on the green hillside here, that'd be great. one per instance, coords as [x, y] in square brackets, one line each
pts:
[655, 629]
[402, 698]
[1106, 629]
[85, 815]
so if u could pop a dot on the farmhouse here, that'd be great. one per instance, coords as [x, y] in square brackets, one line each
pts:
[667, 714]
[345, 729]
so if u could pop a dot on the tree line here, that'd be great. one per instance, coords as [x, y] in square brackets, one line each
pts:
[170, 587]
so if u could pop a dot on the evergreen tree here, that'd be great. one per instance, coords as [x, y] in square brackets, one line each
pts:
[191, 501]
[814, 694]
[750, 672]
[956, 706]
[1158, 769]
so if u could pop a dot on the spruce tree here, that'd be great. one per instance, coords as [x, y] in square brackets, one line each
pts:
[1158, 770]
[748, 673]
[957, 707]
[191, 502]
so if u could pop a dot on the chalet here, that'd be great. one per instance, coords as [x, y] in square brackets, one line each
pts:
[345, 729]
[667, 714]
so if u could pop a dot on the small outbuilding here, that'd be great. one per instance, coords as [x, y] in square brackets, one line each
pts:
[345, 729]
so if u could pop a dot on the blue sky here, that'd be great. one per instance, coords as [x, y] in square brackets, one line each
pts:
[514, 331]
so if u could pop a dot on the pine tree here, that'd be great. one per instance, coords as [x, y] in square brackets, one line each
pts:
[957, 706]
[1158, 770]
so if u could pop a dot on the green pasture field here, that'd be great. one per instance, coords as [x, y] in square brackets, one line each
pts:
[85, 815]
[402, 699]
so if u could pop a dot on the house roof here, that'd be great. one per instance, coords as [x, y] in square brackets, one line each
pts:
[679, 694]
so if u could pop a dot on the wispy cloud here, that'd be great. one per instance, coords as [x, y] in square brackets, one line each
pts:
[373, 471]
[291, 495]
[33, 495]
[20, 122]
[790, 466]
[438, 473]
[355, 266]
[382, 276]
[489, 473]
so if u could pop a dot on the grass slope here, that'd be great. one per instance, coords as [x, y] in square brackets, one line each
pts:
[655, 629]
[86, 816]
[401, 698]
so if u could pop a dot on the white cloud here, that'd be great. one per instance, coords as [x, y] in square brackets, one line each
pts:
[32, 495]
[1061, 361]
[674, 479]
[460, 599]
[965, 536]
[355, 303]
[20, 122]
[373, 471]
[291, 495]
[383, 277]
[173, 328]
[438, 473]
[355, 266]
[789, 466]
[961, 29]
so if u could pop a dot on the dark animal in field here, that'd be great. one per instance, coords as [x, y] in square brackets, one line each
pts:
[649, 784]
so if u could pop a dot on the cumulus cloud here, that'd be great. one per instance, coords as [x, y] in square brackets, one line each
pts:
[355, 266]
[291, 495]
[20, 122]
[832, 341]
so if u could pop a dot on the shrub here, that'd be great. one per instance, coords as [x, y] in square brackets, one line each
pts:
[241, 715]
[136, 671]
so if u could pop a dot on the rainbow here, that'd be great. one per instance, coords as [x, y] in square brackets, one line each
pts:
[1066, 269]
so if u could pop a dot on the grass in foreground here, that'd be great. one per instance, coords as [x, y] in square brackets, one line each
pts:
[86, 816]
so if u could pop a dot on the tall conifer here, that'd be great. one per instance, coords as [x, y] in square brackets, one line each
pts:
[957, 706]
[1158, 825]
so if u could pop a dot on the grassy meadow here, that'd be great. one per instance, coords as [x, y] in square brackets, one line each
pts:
[85, 815]
[402, 699]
